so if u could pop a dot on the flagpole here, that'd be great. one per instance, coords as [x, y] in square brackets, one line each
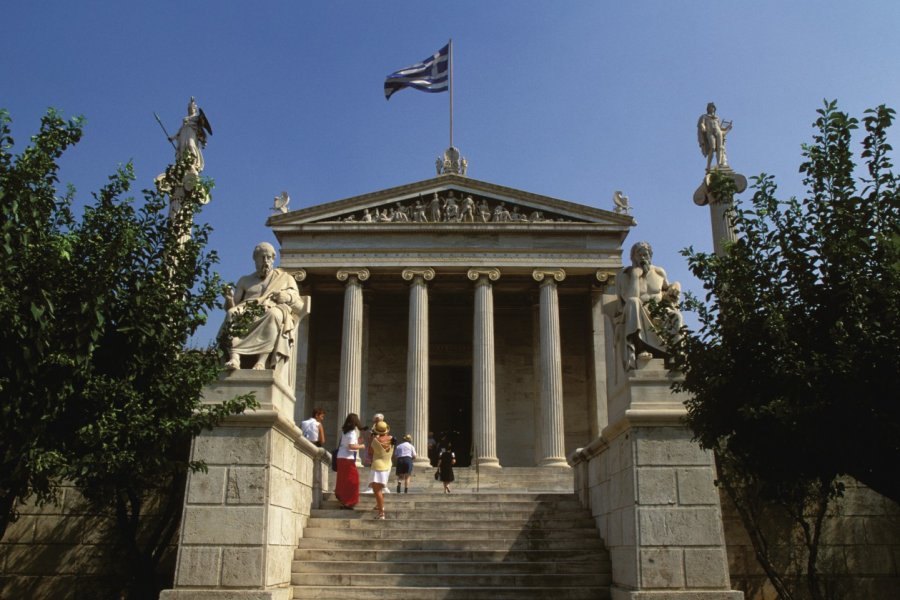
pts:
[450, 85]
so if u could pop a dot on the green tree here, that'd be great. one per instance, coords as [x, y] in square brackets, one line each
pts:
[97, 385]
[793, 373]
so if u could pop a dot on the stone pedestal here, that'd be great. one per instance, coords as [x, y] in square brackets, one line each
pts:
[651, 492]
[243, 516]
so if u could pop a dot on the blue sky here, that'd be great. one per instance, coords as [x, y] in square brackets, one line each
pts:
[569, 99]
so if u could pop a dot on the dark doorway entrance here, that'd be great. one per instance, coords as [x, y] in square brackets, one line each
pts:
[450, 409]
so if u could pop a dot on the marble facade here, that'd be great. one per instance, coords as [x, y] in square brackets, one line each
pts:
[478, 324]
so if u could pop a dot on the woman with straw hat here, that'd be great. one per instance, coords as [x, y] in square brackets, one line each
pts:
[382, 449]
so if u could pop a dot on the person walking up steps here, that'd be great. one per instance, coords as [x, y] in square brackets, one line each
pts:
[346, 487]
[445, 466]
[382, 449]
[405, 453]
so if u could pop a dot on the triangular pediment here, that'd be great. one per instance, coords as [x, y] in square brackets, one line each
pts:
[453, 200]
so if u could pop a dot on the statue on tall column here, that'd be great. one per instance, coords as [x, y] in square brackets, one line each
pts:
[711, 132]
[263, 311]
[637, 287]
[176, 182]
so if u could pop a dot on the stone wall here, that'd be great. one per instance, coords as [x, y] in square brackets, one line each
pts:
[243, 517]
[651, 492]
[859, 554]
[58, 551]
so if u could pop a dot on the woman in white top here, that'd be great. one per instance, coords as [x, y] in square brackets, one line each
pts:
[346, 487]
[404, 453]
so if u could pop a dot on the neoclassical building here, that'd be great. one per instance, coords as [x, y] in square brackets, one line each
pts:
[459, 307]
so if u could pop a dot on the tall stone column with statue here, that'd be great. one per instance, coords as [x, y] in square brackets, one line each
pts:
[711, 134]
[182, 178]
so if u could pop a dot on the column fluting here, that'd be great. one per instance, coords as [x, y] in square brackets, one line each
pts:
[552, 424]
[417, 361]
[484, 409]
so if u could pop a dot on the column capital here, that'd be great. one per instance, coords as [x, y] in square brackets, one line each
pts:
[477, 273]
[410, 274]
[298, 274]
[554, 274]
[345, 274]
[605, 278]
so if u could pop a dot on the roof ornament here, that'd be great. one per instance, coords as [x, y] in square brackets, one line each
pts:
[281, 202]
[620, 201]
[452, 162]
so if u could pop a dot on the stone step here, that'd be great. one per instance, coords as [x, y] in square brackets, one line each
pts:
[461, 593]
[346, 557]
[425, 567]
[491, 496]
[407, 520]
[389, 580]
[355, 518]
[523, 479]
[518, 543]
[448, 534]
[460, 503]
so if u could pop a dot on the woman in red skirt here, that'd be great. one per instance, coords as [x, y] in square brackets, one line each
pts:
[346, 487]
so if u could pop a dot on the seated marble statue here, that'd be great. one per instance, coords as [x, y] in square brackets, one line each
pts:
[271, 299]
[636, 287]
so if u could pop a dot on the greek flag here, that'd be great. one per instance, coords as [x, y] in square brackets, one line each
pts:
[430, 75]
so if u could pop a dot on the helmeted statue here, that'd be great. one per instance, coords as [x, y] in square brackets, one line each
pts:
[711, 132]
[636, 287]
[272, 297]
[191, 137]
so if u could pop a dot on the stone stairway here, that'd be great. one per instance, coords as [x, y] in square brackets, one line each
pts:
[494, 545]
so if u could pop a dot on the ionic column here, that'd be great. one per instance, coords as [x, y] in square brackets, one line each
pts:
[551, 424]
[598, 404]
[417, 360]
[350, 382]
[484, 421]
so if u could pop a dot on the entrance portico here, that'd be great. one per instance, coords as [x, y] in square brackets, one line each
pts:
[509, 302]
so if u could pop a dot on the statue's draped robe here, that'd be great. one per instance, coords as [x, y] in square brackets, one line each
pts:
[634, 292]
[273, 333]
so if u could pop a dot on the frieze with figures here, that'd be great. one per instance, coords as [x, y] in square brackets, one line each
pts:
[450, 208]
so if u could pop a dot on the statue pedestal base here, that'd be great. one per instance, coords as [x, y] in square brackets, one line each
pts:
[243, 516]
[650, 489]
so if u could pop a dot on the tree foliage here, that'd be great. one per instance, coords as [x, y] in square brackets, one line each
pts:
[97, 385]
[793, 372]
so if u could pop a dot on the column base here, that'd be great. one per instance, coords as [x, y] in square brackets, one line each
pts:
[488, 463]
[421, 462]
[554, 461]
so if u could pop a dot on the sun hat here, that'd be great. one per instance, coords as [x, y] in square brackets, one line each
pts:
[407, 438]
[381, 427]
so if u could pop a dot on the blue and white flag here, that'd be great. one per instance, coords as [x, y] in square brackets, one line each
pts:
[430, 75]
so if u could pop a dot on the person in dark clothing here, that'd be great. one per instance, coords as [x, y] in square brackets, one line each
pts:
[445, 466]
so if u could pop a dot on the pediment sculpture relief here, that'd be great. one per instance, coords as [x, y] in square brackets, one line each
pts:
[448, 207]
